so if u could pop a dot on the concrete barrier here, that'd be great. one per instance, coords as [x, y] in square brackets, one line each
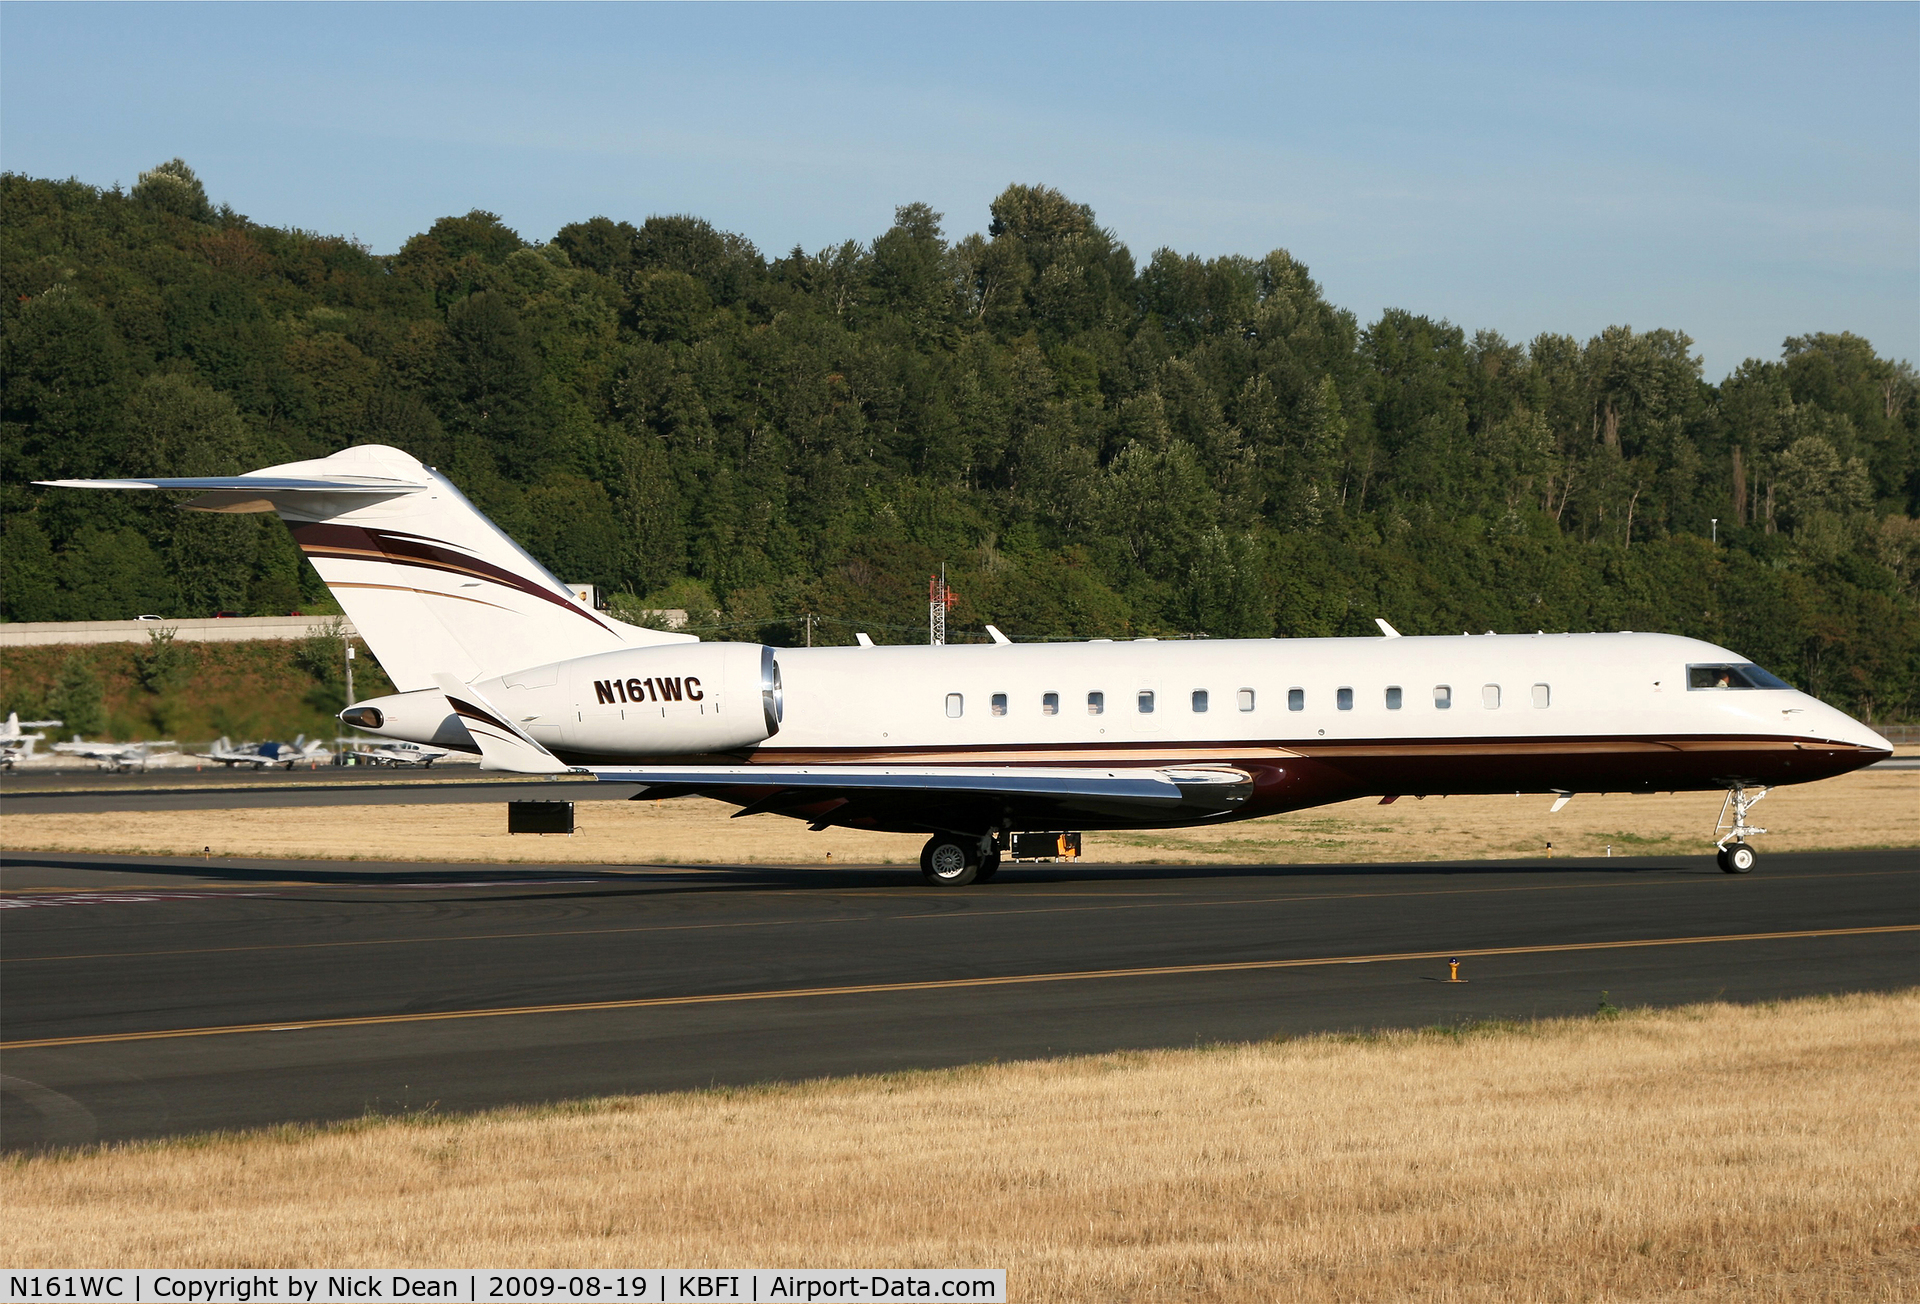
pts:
[232, 629]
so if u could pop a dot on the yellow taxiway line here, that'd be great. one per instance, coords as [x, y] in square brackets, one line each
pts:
[869, 989]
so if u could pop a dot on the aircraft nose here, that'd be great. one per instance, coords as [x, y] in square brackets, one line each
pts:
[1831, 723]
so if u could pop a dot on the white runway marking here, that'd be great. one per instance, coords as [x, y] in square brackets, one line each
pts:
[111, 898]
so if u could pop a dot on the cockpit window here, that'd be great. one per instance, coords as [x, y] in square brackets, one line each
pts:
[1744, 675]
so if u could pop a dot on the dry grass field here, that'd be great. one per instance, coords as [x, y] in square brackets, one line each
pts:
[1873, 809]
[1715, 1153]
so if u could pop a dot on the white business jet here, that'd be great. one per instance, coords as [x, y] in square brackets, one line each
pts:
[15, 743]
[971, 744]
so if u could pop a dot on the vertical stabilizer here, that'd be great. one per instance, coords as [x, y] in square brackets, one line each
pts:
[431, 584]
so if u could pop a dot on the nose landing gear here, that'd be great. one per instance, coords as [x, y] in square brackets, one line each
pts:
[1736, 857]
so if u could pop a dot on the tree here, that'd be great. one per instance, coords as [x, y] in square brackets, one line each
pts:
[1205, 446]
[171, 187]
[29, 586]
[77, 699]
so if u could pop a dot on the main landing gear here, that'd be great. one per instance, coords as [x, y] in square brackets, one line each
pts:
[1736, 857]
[955, 860]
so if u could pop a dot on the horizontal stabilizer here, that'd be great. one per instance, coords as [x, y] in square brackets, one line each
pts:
[251, 484]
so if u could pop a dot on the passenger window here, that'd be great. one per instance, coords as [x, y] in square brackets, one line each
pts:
[955, 704]
[1146, 701]
[1049, 704]
[999, 704]
[1490, 697]
[1200, 700]
[1442, 697]
[1296, 699]
[1343, 698]
[1542, 695]
[1096, 703]
[1246, 699]
[1393, 699]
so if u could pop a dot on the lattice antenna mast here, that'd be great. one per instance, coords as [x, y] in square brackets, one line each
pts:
[939, 597]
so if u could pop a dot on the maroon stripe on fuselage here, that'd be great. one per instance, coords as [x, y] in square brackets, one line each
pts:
[356, 543]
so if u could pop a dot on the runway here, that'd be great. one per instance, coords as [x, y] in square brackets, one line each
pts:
[149, 996]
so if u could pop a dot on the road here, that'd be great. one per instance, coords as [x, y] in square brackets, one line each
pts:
[150, 996]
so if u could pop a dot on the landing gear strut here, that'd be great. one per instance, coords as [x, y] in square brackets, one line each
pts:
[1736, 857]
[955, 860]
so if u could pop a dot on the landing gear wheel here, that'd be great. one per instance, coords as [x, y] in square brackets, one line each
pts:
[951, 862]
[1737, 858]
[989, 866]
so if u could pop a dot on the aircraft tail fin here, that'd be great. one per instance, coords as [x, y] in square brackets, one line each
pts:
[426, 579]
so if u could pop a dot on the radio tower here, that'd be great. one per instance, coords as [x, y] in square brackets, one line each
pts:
[938, 597]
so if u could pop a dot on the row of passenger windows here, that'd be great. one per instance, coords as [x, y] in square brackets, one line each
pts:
[1144, 702]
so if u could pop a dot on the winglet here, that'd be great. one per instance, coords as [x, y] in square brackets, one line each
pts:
[993, 632]
[1388, 630]
[502, 744]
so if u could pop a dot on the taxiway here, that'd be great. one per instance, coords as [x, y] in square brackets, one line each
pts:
[150, 996]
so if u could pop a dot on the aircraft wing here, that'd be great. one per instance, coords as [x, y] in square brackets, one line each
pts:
[1169, 784]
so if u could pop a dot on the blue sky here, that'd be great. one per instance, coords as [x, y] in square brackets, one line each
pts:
[1739, 172]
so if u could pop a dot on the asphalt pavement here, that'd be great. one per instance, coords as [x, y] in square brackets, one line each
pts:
[144, 996]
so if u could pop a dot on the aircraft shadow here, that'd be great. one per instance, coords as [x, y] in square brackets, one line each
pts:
[642, 879]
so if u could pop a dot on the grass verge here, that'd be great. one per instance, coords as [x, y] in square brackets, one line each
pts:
[1714, 1152]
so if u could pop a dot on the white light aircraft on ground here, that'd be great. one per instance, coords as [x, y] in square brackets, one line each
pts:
[121, 757]
[15, 743]
[402, 754]
[970, 744]
[261, 755]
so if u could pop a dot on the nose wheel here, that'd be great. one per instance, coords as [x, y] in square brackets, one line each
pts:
[1736, 856]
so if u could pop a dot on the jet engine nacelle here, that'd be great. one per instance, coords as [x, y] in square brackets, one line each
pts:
[675, 699]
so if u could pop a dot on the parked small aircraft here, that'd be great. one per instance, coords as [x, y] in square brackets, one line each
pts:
[261, 755]
[15, 744]
[121, 757]
[402, 754]
[493, 655]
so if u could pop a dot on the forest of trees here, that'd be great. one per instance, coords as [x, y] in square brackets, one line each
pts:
[1092, 446]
